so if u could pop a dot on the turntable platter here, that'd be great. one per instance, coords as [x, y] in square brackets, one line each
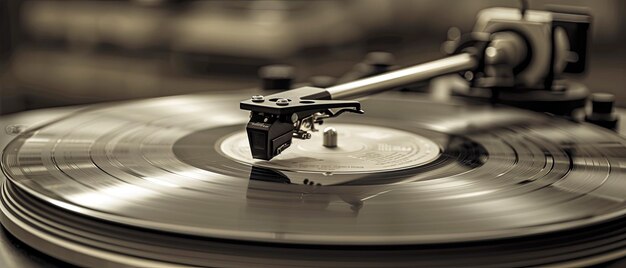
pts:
[174, 169]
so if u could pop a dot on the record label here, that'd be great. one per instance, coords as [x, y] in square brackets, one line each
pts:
[362, 148]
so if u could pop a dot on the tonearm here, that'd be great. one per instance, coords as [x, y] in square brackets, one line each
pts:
[509, 48]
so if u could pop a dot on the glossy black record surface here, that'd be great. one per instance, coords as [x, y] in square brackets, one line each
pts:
[154, 168]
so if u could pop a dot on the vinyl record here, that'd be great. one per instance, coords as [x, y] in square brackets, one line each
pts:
[412, 182]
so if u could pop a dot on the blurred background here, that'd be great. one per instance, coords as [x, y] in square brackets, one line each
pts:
[57, 53]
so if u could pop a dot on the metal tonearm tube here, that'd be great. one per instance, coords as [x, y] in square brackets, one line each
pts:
[402, 77]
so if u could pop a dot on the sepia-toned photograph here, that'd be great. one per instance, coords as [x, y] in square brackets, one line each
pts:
[346, 133]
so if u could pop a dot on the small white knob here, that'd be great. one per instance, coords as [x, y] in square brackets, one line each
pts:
[330, 137]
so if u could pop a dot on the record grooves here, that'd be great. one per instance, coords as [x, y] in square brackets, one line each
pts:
[573, 247]
[147, 183]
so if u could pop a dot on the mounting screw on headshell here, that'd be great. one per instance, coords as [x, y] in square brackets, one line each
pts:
[282, 102]
[258, 98]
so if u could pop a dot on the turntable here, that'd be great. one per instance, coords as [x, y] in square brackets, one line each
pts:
[314, 177]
